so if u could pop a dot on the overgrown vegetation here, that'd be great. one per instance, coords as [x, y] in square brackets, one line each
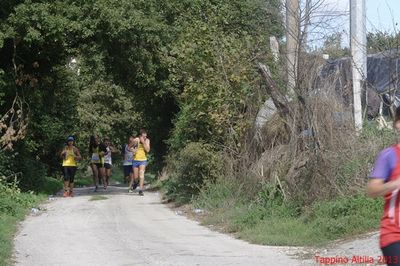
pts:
[300, 178]
[262, 210]
[265, 220]
[13, 208]
[194, 73]
[194, 166]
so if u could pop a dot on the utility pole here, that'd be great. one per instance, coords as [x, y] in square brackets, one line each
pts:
[358, 46]
[292, 42]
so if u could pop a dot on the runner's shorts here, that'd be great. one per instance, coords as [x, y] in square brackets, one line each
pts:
[128, 170]
[69, 173]
[138, 163]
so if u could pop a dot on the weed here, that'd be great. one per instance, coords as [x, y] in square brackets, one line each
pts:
[13, 207]
[273, 221]
[97, 197]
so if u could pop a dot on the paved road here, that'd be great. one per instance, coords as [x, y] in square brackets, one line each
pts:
[126, 229]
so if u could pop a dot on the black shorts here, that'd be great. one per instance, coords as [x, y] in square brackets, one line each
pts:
[107, 165]
[98, 165]
[391, 254]
[128, 170]
[69, 173]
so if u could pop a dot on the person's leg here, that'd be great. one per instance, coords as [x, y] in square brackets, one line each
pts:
[391, 254]
[126, 169]
[108, 174]
[135, 183]
[142, 169]
[71, 181]
[102, 175]
[134, 176]
[95, 176]
[66, 182]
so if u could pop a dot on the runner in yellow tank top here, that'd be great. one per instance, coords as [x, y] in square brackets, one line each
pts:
[140, 159]
[70, 156]
[140, 153]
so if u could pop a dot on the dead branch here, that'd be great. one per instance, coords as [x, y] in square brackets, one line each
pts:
[279, 99]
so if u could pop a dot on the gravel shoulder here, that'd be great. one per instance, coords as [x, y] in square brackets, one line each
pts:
[360, 250]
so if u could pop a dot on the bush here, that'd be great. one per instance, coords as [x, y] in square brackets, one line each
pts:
[6, 163]
[266, 220]
[12, 201]
[51, 186]
[31, 174]
[191, 168]
[13, 207]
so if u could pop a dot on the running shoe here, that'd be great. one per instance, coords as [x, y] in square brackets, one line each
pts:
[71, 193]
[66, 194]
[141, 193]
[130, 191]
[95, 188]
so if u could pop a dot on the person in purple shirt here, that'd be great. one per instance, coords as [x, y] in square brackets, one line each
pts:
[385, 182]
[384, 164]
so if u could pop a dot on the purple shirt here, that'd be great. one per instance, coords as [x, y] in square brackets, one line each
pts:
[384, 164]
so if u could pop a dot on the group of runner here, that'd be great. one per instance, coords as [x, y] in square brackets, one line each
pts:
[134, 163]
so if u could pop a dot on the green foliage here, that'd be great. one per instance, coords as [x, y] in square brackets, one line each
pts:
[195, 165]
[83, 181]
[271, 221]
[6, 166]
[13, 207]
[51, 186]
[221, 194]
[138, 64]
[212, 61]
[350, 215]
[381, 41]
[32, 172]
[333, 46]
[12, 200]
[111, 112]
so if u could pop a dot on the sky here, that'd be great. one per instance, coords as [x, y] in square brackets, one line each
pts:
[382, 15]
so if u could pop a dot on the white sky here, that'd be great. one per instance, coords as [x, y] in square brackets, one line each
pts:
[382, 15]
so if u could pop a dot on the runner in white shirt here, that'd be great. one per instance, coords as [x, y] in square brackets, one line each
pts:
[128, 150]
[108, 159]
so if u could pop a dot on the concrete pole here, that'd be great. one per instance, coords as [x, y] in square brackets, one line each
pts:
[358, 46]
[292, 42]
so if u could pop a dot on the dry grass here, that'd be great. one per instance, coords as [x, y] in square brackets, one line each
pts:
[313, 152]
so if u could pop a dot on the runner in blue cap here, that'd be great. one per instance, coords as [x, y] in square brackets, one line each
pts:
[70, 155]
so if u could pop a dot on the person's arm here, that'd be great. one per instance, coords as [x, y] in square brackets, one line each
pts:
[377, 187]
[114, 150]
[103, 150]
[63, 152]
[146, 145]
[135, 145]
[379, 183]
